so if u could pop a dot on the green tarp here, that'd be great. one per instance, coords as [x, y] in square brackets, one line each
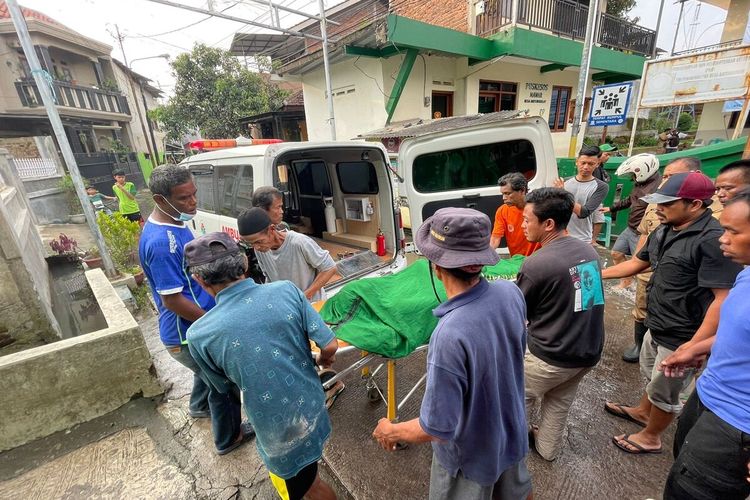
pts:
[392, 315]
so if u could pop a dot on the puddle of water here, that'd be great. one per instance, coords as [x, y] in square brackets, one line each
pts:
[73, 302]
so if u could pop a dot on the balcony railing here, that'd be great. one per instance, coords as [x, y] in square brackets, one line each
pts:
[564, 18]
[74, 96]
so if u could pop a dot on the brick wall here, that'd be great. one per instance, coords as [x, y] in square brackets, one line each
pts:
[452, 14]
[20, 147]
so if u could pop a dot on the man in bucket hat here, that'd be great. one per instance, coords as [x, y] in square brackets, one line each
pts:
[473, 407]
[256, 338]
[691, 279]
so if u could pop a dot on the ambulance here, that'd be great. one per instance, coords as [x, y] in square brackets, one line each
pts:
[341, 193]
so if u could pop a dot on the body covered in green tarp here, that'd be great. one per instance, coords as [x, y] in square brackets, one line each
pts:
[392, 315]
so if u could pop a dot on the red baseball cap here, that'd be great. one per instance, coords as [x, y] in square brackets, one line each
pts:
[683, 186]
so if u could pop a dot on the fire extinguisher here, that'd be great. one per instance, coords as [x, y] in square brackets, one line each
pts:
[380, 241]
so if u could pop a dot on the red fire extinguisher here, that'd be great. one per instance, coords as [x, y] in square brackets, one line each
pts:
[380, 242]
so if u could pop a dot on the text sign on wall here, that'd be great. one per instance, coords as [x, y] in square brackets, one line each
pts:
[693, 79]
[609, 104]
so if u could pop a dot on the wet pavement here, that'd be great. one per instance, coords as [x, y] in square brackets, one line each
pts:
[152, 449]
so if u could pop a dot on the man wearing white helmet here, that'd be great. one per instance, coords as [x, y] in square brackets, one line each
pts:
[643, 169]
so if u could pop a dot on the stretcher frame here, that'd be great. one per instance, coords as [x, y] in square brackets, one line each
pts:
[374, 391]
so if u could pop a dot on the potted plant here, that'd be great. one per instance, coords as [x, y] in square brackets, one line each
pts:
[66, 248]
[74, 204]
[92, 258]
[137, 273]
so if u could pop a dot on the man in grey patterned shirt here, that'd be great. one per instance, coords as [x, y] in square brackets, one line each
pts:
[588, 193]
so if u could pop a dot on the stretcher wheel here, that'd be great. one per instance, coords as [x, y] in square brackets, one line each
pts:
[373, 396]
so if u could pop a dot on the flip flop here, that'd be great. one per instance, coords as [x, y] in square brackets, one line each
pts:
[639, 450]
[333, 393]
[618, 411]
[247, 434]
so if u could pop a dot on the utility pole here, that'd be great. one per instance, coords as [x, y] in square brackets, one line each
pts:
[327, 69]
[658, 25]
[44, 90]
[671, 53]
[122, 48]
[583, 75]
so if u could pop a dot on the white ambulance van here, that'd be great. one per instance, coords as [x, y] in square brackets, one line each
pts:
[437, 168]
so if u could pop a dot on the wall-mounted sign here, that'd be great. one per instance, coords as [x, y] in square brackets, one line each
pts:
[609, 104]
[720, 75]
[536, 93]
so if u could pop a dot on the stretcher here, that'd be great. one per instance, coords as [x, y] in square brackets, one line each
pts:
[388, 319]
[369, 366]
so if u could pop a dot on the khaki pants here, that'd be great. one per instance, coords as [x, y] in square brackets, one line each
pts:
[641, 297]
[555, 388]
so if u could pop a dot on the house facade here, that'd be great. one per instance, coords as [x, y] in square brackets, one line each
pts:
[98, 99]
[398, 60]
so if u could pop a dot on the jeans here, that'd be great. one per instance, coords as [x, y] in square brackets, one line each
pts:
[712, 459]
[225, 409]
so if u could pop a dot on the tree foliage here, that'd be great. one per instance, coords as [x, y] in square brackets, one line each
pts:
[212, 92]
[620, 8]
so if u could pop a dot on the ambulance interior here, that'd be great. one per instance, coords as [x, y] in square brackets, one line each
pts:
[342, 198]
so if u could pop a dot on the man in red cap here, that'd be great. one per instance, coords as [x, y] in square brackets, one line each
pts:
[690, 281]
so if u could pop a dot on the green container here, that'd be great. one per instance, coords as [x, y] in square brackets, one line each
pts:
[146, 165]
[712, 158]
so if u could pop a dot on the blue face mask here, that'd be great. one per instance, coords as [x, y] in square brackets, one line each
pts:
[183, 217]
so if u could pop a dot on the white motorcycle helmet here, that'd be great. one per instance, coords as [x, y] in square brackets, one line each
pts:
[643, 166]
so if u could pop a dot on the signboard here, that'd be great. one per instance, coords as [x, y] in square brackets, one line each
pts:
[708, 77]
[609, 104]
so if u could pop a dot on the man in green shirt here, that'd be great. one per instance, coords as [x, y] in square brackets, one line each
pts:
[125, 192]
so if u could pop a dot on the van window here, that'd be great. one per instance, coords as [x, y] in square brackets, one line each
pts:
[357, 177]
[312, 178]
[203, 176]
[235, 188]
[473, 167]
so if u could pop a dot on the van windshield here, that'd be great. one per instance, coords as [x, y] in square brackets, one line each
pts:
[473, 167]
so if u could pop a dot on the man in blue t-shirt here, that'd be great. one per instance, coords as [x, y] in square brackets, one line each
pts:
[179, 299]
[473, 407]
[257, 338]
[712, 442]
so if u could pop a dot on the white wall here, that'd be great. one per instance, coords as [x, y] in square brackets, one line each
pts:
[361, 92]
[358, 100]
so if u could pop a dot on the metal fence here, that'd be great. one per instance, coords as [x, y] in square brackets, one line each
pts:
[564, 18]
[29, 168]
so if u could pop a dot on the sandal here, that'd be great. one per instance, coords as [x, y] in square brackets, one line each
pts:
[618, 410]
[639, 450]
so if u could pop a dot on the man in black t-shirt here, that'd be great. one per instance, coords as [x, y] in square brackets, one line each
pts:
[562, 285]
[690, 281]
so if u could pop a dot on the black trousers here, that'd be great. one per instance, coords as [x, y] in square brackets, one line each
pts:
[711, 457]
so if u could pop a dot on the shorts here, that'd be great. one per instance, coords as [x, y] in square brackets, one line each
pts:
[295, 487]
[134, 217]
[663, 392]
[514, 482]
[626, 242]
[598, 216]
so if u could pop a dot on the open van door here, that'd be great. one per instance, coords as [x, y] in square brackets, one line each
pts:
[460, 167]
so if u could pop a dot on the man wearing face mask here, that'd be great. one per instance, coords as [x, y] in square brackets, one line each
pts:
[180, 300]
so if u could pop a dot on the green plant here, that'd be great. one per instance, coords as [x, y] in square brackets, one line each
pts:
[644, 140]
[685, 122]
[66, 184]
[109, 85]
[142, 301]
[121, 237]
[93, 252]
